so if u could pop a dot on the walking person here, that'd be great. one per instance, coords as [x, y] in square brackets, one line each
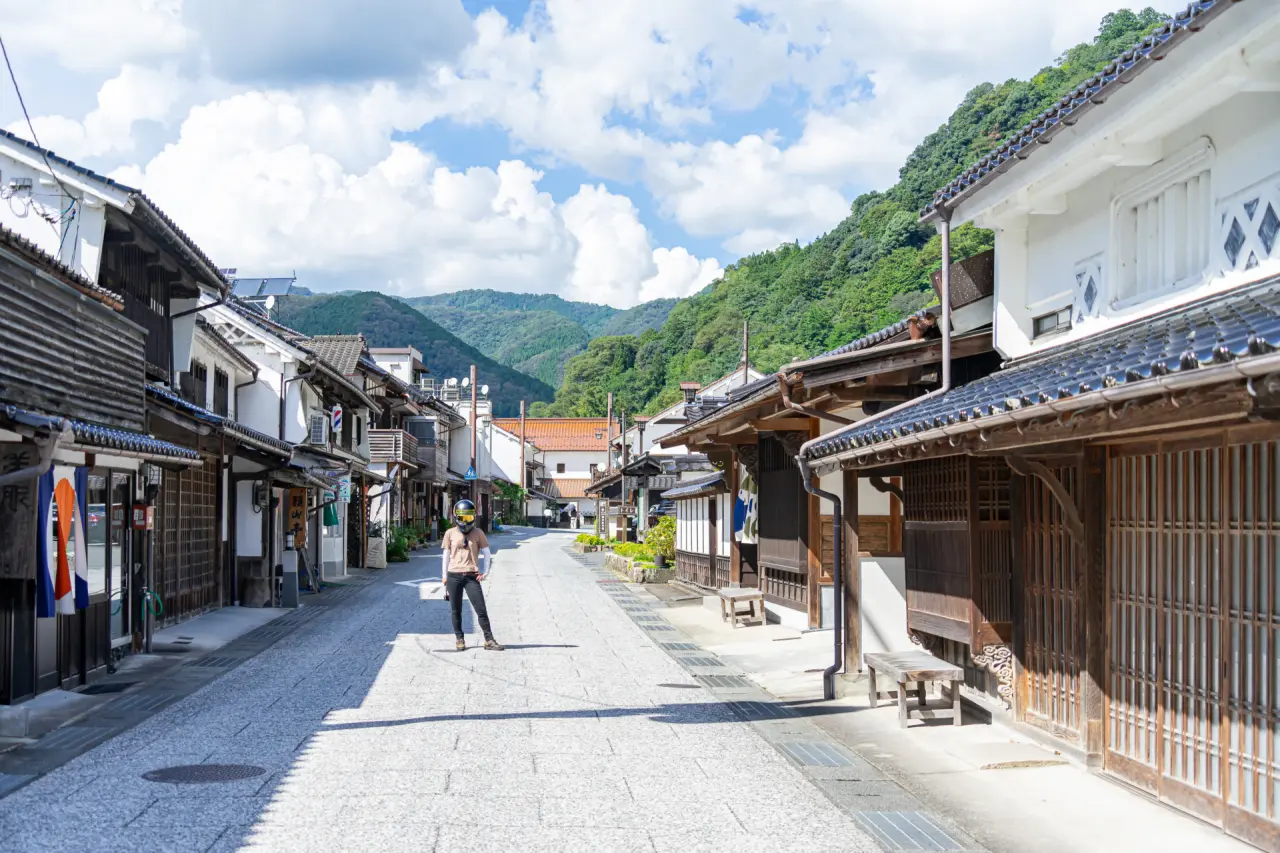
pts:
[464, 563]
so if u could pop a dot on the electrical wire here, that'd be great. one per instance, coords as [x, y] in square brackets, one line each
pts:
[31, 127]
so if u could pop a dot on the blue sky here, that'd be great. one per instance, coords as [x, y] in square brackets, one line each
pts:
[611, 152]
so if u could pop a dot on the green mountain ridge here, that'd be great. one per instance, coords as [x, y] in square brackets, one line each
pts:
[389, 322]
[870, 270]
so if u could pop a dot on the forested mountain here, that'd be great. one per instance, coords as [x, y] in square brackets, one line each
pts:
[534, 333]
[870, 270]
[388, 322]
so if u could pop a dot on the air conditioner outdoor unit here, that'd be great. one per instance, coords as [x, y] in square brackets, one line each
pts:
[319, 430]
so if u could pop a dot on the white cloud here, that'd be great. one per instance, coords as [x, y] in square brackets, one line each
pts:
[92, 35]
[251, 180]
[135, 94]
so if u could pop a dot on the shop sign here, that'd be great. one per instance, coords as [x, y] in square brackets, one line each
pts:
[144, 517]
[18, 514]
[344, 490]
[298, 516]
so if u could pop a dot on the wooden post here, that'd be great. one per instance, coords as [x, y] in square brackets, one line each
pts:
[735, 554]
[1094, 558]
[713, 537]
[816, 569]
[852, 576]
[1017, 589]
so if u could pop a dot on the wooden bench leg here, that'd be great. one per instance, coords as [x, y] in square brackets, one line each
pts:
[920, 693]
[902, 704]
[955, 704]
[871, 686]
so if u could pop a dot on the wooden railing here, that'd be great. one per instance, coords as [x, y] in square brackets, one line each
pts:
[392, 445]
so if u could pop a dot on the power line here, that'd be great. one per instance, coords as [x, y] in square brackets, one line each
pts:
[31, 127]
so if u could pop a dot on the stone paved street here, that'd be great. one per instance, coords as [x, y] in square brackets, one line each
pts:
[374, 734]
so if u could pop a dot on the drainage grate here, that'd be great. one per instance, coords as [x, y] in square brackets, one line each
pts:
[680, 647]
[216, 661]
[816, 754]
[140, 702]
[650, 618]
[609, 580]
[657, 627]
[907, 831]
[199, 774]
[267, 634]
[724, 682]
[699, 661]
[751, 711]
[99, 689]
[72, 737]
[682, 686]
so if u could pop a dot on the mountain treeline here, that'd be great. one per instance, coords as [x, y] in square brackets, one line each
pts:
[871, 270]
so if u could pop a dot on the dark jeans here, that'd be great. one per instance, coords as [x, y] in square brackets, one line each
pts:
[455, 585]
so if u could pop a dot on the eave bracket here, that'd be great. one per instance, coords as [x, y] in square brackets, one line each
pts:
[1070, 511]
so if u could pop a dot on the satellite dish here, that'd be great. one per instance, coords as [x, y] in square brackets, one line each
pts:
[484, 389]
[451, 383]
[466, 383]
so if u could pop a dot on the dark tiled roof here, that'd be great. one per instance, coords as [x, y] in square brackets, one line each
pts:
[1090, 93]
[883, 336]
[341, 351]
[236, 430]
[107, 438]
[40, 257]
[262, 321]
[1235, 326]
[140, 199]
[696, 488]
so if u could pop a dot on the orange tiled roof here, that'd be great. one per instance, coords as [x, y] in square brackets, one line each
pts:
[567, 487]
[561, 433]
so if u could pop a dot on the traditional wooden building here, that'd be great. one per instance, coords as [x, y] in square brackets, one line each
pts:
[73, 505]
[1091, 531]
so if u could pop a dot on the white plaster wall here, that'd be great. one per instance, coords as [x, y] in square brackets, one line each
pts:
[884, 604]
[577, 463]
[1245, 134]
[248, 522]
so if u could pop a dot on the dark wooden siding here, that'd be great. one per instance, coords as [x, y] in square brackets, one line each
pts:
[188, 574]
[935, 542]
[146, 299]
[784, 527]
[63, 354]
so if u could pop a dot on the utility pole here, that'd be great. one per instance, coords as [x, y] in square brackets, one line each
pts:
[475, 484]
[524, 471]
[746, 352]
[609, 443]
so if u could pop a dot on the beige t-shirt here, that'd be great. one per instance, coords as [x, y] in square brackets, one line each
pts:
[464, 551]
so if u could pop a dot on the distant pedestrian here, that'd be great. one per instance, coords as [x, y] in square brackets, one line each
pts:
[464, 563]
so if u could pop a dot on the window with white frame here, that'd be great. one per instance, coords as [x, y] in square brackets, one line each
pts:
[1160, 230]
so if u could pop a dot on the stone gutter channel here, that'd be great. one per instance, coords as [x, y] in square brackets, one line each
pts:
[888, 812]
[149, 693]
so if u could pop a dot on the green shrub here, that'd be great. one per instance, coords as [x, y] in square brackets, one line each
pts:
[634, 550]
[398, 547]
[661, 538]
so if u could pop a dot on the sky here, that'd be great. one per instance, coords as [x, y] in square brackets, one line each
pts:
[609, 152]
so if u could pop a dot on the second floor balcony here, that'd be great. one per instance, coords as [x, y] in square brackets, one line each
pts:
[393, 446]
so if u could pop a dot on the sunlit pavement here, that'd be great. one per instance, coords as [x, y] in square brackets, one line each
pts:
[372, 733]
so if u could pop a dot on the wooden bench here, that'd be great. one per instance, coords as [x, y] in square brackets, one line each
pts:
[729, 598]
[919, 667]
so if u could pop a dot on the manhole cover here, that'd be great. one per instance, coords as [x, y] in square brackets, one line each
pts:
[199, 774]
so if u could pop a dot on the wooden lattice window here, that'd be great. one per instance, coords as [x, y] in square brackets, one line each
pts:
[221, 393]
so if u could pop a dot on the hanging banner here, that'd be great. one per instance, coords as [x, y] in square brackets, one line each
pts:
[344, 490]
[746, 512]
[62, 571]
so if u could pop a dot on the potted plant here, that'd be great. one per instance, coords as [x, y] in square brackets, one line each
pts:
[661, 540]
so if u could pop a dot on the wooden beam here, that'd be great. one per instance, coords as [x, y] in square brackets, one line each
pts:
[1070, 511]
[731, 440]
[817, 377]
[1093, 495]
[783, 425]
[852, 574]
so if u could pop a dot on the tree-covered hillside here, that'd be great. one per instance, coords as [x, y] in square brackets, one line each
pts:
[534, 333]
[870, 270]
[388, 322]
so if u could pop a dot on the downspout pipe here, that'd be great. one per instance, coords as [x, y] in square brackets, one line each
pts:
[785, 387]
[829, 674]
[806, 475]
[944, 215]
[284, 392]
[47, 448]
